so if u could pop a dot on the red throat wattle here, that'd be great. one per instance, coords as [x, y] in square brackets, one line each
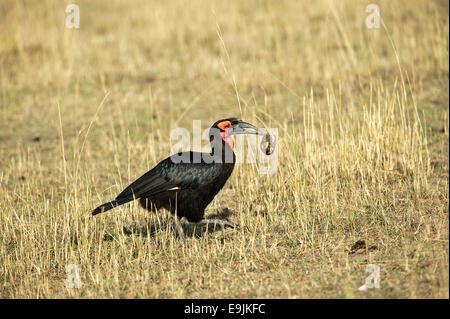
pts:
[227, 139]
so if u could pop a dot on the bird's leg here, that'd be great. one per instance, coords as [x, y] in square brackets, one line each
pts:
[216, 221]
[178, 227]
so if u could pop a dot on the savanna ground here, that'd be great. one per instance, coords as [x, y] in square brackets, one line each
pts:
[362, 116]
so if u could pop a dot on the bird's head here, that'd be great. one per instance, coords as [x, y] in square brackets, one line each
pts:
[229, 127]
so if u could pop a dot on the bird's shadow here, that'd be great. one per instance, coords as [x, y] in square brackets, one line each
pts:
[191, 230]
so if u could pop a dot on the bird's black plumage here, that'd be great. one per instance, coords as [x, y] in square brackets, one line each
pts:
[187, 182]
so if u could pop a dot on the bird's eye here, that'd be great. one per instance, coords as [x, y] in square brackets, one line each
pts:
[224, 125]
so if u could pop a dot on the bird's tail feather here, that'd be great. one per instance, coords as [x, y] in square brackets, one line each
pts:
[110, 205]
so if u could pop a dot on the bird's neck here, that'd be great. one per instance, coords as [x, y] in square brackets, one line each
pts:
[221, 152]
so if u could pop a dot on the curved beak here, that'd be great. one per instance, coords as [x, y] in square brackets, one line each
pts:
[242, 128]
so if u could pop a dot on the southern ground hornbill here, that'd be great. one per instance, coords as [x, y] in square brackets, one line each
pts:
[186, 182]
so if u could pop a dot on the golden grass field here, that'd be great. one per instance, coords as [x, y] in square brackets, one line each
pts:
[363, 123]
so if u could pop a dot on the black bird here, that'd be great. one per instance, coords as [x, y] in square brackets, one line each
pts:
[185, 183]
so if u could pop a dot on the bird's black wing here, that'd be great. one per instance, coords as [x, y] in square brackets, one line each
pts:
[168, 175]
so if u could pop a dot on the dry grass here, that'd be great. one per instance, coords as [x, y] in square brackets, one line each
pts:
[363, 128]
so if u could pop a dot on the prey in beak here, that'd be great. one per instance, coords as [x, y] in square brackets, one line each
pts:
[234, 126]
[268, 142]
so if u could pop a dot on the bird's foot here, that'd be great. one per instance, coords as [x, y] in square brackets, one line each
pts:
[216, 221]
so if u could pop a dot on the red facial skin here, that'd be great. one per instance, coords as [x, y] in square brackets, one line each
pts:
[227, 138]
